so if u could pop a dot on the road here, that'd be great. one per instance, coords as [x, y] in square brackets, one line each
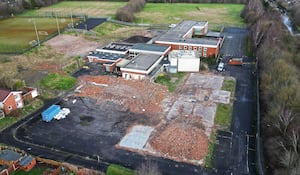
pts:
[235, 151]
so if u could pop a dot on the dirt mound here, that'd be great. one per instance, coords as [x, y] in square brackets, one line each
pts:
[71, 45]
[181, 141]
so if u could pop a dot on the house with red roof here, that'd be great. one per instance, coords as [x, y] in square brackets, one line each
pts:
[10, 100]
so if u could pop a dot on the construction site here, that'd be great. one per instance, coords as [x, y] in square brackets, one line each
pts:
[112, 118]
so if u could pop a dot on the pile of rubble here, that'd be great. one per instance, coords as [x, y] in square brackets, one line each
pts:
[182, 139]
[137, 96]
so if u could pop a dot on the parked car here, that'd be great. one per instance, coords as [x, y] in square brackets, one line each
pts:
[221, 66]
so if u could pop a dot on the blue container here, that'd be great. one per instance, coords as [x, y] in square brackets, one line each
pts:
[50, 113]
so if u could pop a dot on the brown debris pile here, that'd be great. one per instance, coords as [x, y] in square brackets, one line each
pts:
[140, 96]
[182, 141]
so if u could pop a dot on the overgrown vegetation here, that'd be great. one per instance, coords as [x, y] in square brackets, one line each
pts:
[211, 147]
[126, 13]
[279, 64]
[170, 80]
[114, 169]
[57, 81]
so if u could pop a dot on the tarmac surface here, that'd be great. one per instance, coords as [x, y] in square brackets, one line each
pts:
[235, 152]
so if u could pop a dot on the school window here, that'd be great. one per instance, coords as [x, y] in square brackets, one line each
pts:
[200, 49]
[9, 107]
[180, 47]
[190, 47]
[194, 48]
[205, 49]
[185, 47]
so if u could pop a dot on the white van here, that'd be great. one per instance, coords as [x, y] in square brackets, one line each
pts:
[220, 67]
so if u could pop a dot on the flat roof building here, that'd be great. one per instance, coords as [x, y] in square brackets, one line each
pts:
[191, 35]
[149, 48]
[118, 48]
[141, 66]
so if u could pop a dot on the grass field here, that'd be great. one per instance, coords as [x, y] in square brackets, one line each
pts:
[91, 8]
[153, 13]
[17, 34]
[174, 13]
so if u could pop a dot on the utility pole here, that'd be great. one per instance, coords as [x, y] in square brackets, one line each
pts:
[72, 19]
[58, 30]
[36, 32]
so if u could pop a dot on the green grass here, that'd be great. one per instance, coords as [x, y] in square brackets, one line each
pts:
[211, 147]
[160, 13]
[229, 85]
[114, 169]
[7, 121]
[17, 34]
[224, 111]
[33, 171]
[56, 81]
[29, 108]
[170, 80]
[107, 28]
[91, 8]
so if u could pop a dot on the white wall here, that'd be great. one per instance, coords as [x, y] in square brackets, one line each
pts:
[189, 65]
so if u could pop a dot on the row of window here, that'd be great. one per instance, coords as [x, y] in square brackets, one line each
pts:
[196, 48]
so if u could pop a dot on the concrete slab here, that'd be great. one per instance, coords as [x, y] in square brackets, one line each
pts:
[207, 113]
[220, 96]
[205, 81]
[180, 108]
[137, 137]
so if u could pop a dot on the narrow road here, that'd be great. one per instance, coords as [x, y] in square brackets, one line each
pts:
[235, 151]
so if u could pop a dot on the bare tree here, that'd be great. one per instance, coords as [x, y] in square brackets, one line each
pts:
[148, 168]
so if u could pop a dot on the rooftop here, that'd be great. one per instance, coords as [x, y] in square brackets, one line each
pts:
[176, 34]
[3, 94]
[142, 62]
[150, 47]
[118, 46]
[9, 155]
[25, 161]
[107, 55]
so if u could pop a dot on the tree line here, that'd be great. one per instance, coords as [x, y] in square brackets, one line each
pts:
[126, 13]
[11, 7]
[279, 64]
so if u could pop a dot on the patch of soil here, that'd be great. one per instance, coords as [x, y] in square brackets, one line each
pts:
[71, 45]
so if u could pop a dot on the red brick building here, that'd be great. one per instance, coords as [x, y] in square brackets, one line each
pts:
[191, 35]
[10, 100]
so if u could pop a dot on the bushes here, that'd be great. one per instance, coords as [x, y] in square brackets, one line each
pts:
[126, 13]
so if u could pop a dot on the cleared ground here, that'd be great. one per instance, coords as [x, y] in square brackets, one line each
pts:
[17, 34]
[110, 113]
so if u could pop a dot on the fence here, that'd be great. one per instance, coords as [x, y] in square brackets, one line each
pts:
[259, 152]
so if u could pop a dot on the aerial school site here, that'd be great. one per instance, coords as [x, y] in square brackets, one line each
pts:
[105, 87]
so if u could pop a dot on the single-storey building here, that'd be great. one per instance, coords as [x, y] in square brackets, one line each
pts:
[117, 48]
[149, 48]
[191, 35]
[108, 59]
[142, 66]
